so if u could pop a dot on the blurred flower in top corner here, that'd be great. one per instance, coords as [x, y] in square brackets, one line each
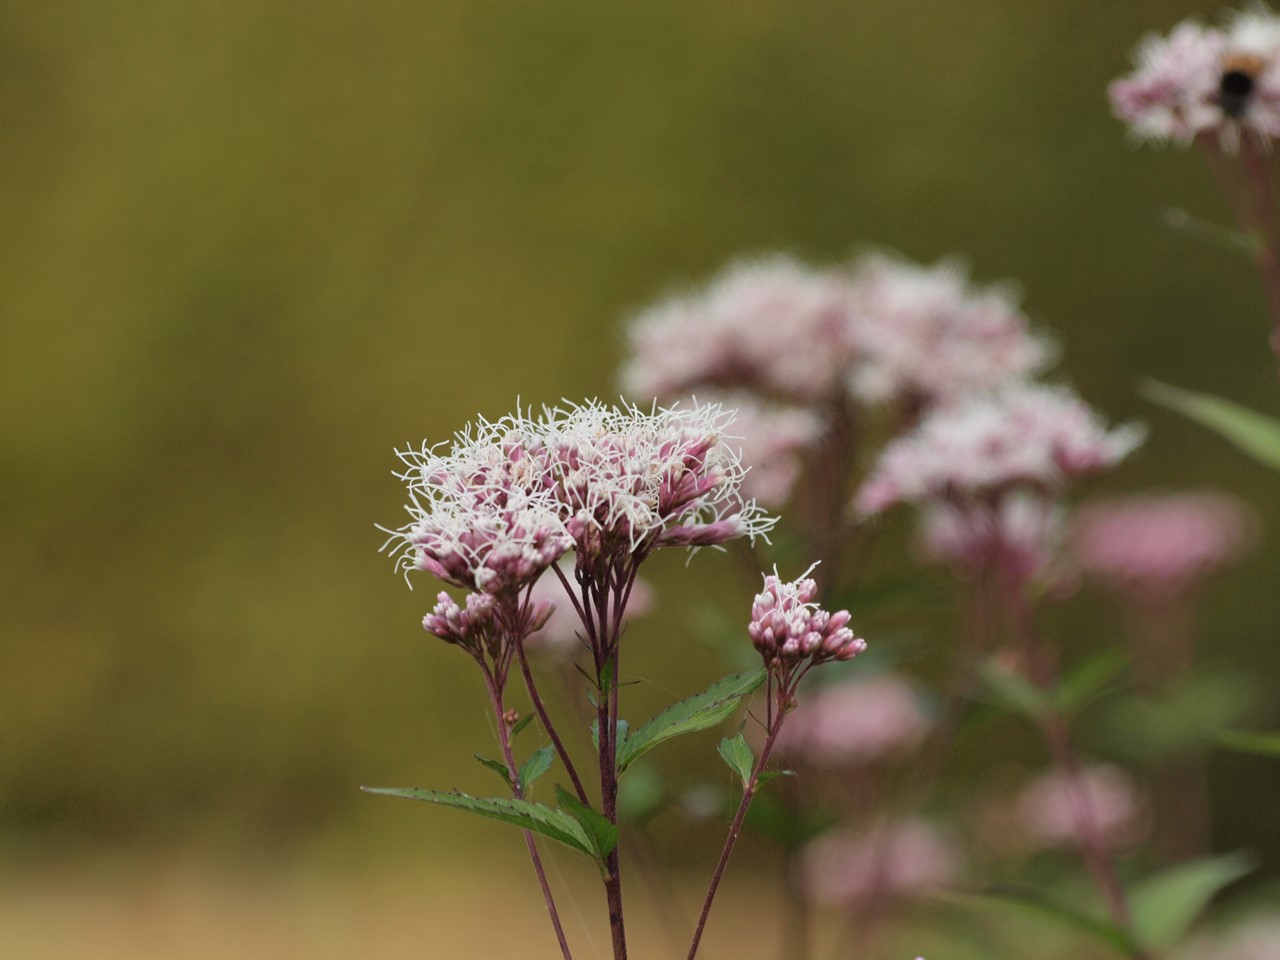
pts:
[770, 325]
[1206, 83]
[927, 334]
[1025, 436]
[1154, 548]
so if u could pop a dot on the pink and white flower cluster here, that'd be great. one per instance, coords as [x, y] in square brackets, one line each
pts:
[897, 860]
[1026, 436]
[1153, 549]
[790, 629]
[844, 725]
[802, 347]
[1020, 533]
[1209, 83]
[1101, 801]
[509, 498]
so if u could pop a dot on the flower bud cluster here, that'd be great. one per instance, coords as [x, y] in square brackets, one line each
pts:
[788, 627]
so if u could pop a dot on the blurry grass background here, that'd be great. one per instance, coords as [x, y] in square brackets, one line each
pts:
[247, 249]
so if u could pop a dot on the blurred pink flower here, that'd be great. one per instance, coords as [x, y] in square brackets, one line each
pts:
[897, 860]
[1022, 436]
[772, 440]
[1154, 548]
[927, 334]
[1205, 82]
[1052, 809]
[1020, 534]
[771, 325]
[850, 724]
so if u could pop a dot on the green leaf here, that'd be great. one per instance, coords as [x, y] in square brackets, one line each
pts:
[1254, 433]
[1090, 680]
[1014, 692]
[1165, 905]
[602, 834]
[739, 756]
[621, 738]
[554, 824]
[499, 768]
[714, 705]
[539, 762]
[1031, 903]
[1244, 741]
[521, 724]
[766, 775]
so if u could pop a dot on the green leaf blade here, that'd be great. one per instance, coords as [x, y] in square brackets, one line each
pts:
[1253, 433]
[535, 817]
[539, 762]
[1244, 741]
[1165, 905]
[699, 712]
[602, 834]
[737, 753]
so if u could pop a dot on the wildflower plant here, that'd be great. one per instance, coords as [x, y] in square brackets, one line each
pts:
[493, 513]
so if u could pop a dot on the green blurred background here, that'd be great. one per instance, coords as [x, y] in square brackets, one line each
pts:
[247, 249]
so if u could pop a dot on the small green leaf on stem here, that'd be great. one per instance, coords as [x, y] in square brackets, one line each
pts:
[499, 768]
[1091, 680]
[738, 755]
[602, 834]
[554, 824]
[521, 724]
[539, 762]
[699, 712]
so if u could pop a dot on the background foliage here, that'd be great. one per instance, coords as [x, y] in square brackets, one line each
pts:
[248, 249]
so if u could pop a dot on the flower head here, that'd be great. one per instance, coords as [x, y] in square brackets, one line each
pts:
[928, 334]
[770, 325]
[1026, 436]
[789, 628]
[897, 860]
[1020, 534]
[1153, 549]
[844, 725]
[1102, 801]
[627, 479]
[484, 515]
[1205, 82]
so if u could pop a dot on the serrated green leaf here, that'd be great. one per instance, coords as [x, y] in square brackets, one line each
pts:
[539, 762]
[1014, 692]
[1244, 741]
[553, 824]
[1090, 680]
[1254, 433]
[739, 756]
[1031, 903]
[714, 705]
[521, 724]
[602, 834]
[1164, 906]
[499, 768]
